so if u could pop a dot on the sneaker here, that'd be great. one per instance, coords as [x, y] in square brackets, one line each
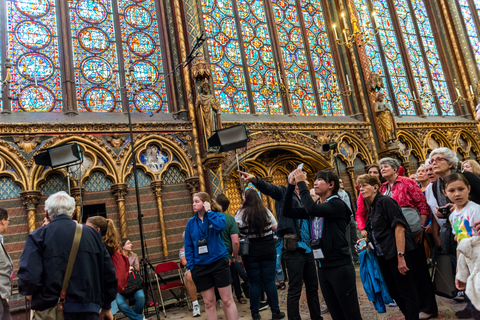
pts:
[323, 308]
[460, 296]
[256, 316]
[196, 311]
[463, 314]
[279, 315]
[393, 304]
[263, 306]
[423, 315]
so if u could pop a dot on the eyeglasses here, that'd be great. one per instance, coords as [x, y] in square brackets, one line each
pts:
[436, 160]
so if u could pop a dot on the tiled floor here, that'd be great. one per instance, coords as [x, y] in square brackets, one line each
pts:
[447, 309]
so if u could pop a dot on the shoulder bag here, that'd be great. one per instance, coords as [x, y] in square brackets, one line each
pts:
[56, 313]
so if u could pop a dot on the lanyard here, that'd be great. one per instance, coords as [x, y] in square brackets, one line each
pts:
[203, 234]
[317, 222]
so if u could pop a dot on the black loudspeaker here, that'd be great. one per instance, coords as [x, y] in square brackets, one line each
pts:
[230, 138]
[329, 146]
[60, 156]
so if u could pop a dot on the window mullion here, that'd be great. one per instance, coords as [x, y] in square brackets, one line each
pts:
[404, 55]
[241, 45]
[6, 106]
[308, 54]
[424, 55]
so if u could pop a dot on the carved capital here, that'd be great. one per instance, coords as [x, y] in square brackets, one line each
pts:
[75, 192]
[389, 152]
[213, 161]
[192, 184]
[119, 190]
[30, 199]
[157, 187]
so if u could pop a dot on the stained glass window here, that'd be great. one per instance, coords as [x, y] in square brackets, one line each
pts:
[322, 58]
[141, 49]
[95, 56]
[294, 58]
[33, 51]
[258, 50]
[371, 47]
[224, 51]
[433, 59]
[471, 30]
[394, 59]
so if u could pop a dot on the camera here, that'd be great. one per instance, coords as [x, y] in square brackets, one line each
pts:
[444, 210]
[316, 243]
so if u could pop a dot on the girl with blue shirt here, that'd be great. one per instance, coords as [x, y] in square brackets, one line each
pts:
[207, 255]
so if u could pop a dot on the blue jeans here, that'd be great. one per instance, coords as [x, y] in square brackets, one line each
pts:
[261, 270]
[279, 277]
[137, 313]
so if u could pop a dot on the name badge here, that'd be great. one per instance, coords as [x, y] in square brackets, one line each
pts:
[203, 249]
[318, 254]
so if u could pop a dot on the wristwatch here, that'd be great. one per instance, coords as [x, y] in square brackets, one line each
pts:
[400, 254]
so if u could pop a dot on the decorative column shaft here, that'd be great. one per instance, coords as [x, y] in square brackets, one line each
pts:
[351, 175]
[119, 190]
[157, 190]
[75, 192]
[30, 200]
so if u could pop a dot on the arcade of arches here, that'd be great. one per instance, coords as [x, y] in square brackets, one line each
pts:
[379, 77]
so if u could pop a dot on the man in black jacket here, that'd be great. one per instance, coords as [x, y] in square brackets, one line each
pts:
[299, 262]
[93, 284]
[330, 248]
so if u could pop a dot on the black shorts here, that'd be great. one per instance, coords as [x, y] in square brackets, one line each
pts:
[216, 274]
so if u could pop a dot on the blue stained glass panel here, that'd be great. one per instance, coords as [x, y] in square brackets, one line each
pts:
[258, 49]
[142, 50]
[322, 59]
[294, 59]
[33, 51]
[95, 56]
[223, 48]
[433, 59]
[394, 59]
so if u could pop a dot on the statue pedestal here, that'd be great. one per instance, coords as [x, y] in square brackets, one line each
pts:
[389, 151]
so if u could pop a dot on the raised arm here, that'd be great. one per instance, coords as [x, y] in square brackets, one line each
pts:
[327, 209]
[276, 193]
[288, 210]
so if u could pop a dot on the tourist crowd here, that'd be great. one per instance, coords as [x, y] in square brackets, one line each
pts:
[403, 232]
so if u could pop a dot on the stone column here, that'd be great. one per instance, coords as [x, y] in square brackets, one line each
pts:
[212, 162]
[75, 192]
[119, 190]
[30, 200]
[157, 190]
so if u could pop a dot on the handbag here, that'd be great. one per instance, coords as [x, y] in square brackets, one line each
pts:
[244, 249]
[56, 313]
[290, 242]
[135, 283]
[413, 220]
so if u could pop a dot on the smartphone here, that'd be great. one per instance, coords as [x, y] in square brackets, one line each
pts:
[300, 166]
[360, 246]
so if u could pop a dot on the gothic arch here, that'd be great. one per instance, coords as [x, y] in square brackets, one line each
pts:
[415, 147]
[359, 149]
[18, 172]
[304, 154]
[91, 147]
[170, 146]
[439, 137]
[471, 140]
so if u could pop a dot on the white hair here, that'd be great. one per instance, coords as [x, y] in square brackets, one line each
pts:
[60, 203]
[421, 166]
[394, 163]
[448, 154]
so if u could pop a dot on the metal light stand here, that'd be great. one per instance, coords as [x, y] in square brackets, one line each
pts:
[144, 262]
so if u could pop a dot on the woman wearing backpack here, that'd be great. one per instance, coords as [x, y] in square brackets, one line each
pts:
[412, 201]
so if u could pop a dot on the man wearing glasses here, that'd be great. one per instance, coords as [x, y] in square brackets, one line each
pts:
[6, 270]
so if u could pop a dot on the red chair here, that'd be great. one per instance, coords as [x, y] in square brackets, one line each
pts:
[168, 267]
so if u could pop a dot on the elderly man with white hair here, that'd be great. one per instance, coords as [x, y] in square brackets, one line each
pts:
[93, 284]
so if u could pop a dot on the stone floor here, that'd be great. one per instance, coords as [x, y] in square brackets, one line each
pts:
[447, 309]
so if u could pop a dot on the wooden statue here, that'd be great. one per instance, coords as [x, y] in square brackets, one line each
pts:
[385, 120]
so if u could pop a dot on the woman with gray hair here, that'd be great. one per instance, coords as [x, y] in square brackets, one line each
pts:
[412, 201]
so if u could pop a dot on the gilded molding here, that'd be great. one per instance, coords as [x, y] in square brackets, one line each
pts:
[65, 128]
[157, 187]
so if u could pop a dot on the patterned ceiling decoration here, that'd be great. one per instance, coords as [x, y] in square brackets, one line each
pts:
[8, 189]
[97, 182]
[54, 183]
